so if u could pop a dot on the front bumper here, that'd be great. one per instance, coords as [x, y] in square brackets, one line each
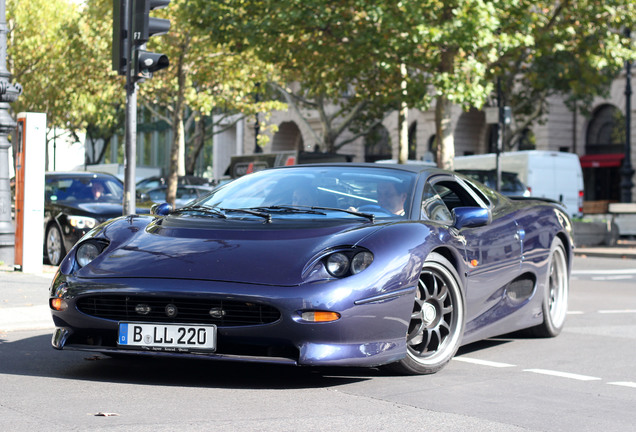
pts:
[371, 331]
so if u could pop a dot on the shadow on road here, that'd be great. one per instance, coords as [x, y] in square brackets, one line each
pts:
[33, 356]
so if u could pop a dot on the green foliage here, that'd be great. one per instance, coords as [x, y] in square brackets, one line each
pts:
[345, 54]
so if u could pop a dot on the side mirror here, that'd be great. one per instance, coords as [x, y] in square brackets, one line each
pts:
[161, 209]
[470, 217]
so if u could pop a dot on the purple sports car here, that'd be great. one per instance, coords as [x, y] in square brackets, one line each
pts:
[322, 265]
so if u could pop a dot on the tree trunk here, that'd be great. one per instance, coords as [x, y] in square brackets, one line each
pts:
[199, 142]
[444, 133]
[178, 137]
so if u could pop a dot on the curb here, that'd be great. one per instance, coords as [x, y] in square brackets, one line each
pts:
[606, 253]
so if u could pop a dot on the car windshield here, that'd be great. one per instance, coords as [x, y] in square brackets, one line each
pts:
[347, 191]
[84, 189]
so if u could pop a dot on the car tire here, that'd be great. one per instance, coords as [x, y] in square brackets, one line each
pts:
[437, 321]
[555, 297]
[54, 245]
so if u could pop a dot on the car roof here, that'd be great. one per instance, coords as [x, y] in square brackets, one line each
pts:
[80, 174]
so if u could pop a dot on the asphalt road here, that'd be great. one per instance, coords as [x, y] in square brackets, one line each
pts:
[583, 380]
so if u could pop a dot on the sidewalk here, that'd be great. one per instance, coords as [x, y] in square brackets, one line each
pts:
[625, 249]
[24, 300]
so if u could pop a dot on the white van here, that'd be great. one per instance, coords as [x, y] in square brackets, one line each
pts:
[547, 174]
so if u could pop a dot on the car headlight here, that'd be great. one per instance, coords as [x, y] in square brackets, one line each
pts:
[350, 262]
[361, 261]
[82, 222]
[88, 251]
[338, 264]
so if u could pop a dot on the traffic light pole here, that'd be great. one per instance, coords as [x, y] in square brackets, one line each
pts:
[131, 123]
[131, 149]
[132, 27]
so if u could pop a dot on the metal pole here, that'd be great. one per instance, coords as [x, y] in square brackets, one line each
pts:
[8, 93]
[130, 161]
[627, 171]
[257, 124]
[500, 132]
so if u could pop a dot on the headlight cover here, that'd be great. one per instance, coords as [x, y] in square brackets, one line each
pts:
[337, 264]
[345, 263]
[88, 251]
[361, 261]
[82, 222]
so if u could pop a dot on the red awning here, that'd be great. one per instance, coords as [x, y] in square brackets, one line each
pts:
[609, 160]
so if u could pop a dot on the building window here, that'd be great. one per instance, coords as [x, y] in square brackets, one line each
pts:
[606, 131]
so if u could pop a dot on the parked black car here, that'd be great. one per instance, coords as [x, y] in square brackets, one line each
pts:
[76, 202]
[155, 182]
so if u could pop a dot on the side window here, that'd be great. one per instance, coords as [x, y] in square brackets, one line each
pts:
[433, 208]
[482, 195]
[456, 194]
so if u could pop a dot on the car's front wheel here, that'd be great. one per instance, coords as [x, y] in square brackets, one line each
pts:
[437, 321]
[54, 245]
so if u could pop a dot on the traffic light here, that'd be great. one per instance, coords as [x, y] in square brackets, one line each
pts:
[144, 26]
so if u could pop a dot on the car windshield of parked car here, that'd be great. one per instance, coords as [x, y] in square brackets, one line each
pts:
[383, 193]
[83, 189]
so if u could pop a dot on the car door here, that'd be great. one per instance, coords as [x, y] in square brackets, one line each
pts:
[492, 251]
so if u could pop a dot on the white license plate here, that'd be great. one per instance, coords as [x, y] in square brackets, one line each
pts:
[167, 337]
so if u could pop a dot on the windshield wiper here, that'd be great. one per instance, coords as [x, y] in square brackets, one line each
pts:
[369, 216]
[201, 209]
[252, 212]
[290, 209]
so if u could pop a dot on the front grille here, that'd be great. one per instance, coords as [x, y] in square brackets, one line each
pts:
[223, 313]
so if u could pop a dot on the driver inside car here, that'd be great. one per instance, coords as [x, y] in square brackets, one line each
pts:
[391, 196]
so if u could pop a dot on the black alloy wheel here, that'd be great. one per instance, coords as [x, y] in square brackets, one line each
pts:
[437, 321]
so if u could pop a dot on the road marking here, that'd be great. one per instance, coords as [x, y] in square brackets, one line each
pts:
[605, 272]
[563, 374]
[483, 362]
[618, 311]
[624, 384]
[575, 312]
[610, 278]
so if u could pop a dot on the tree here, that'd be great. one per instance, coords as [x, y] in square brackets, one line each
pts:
[203, 77]
[59, 51]
[453, 50]
[322, 66]
[571, 49]
[358, 49]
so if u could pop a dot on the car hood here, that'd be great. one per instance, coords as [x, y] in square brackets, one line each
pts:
[254, 252]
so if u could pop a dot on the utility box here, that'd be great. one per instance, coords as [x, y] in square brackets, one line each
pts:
[30, 153]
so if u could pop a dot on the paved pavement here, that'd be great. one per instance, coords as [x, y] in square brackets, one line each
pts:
[625, 249]
[24, 297]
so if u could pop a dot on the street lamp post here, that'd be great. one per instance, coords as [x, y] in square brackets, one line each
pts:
[627, 170]
[257, 124]
[8, 93]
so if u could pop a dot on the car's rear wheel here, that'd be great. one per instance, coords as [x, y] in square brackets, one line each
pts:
[437, 321]
[555, 298]
[54, 245]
